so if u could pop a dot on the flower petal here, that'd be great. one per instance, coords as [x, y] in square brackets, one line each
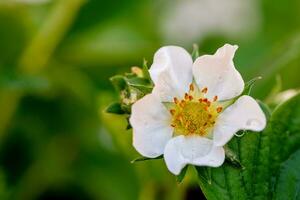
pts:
[150, 121]
[244, 114]
[195, 150]
[171, 72]
[218, 74]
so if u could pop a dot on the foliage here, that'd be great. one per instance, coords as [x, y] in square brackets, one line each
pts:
[55, 60]
[269, 158]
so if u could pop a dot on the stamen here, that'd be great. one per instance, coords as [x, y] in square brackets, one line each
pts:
[187, 124]
[219, 109]
[204, 90]
[186, 96]
[215, 98]
[182, 103]
[172, 111]
[191, 87]
[202, 132]
[208, 103]
[179, 117]
[194, 113]
[176, 100]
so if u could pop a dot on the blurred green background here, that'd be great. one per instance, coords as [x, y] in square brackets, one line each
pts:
[56, 58]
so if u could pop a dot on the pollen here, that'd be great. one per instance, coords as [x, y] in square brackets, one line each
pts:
[194, 113]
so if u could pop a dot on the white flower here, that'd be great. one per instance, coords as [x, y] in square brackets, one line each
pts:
[185, 117]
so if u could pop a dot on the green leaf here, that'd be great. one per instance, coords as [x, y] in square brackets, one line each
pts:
[204, 174]
[267, 158]
[289, 179]
[115, 108]
[145, 159]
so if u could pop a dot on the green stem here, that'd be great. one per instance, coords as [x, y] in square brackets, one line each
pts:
[37, 54]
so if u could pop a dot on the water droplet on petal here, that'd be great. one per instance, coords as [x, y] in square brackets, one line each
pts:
[253, 122]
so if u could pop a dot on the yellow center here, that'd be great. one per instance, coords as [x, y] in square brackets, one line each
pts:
[194, 114]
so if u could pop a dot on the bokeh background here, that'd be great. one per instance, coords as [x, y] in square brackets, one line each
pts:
[56, 57]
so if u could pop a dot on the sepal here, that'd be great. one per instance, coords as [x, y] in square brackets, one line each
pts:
[115, 108]
[140, 159]
[232, 158]
[130, 87]
[180, 177]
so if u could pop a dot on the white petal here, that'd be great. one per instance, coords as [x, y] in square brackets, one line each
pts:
[150, 121]
[171, 72]
[195, 150]
[244, 114]
[218, 74]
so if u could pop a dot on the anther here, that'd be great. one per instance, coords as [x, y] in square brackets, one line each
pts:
[204, 90]
[191, 87]
[205, 100]
[215, 98]
[219, 109]
[186, 96]
[173, 125]
[190, 97]
[200, 100]
[176, 100]
[172, 111]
